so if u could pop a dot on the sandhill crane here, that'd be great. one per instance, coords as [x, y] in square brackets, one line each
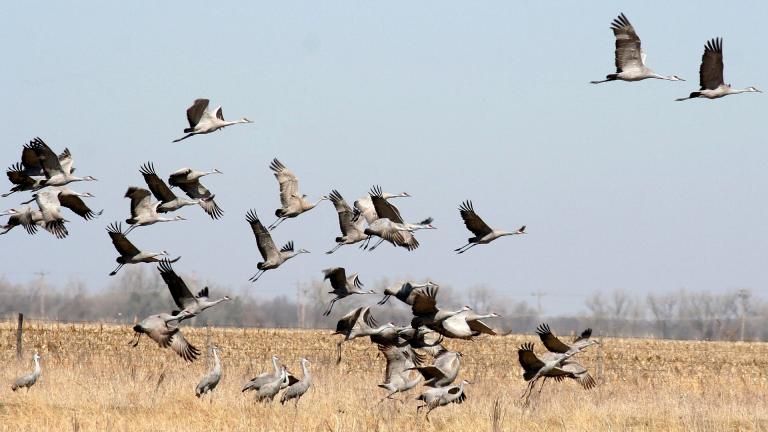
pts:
[57, 172]
[443, 370]
[556, 366]
[28, 218]
[400, 362]
[465, 325]
[358, 323]
[292, 202]
[143, 210]
[296, 390]
[266, 377]
[364, 205]
[711, 74]
[630, 57]
[389, 224]
[351, 231]
[32, 166]
[68, 198]
[49, 205]
[555, 345]
[212, 378]
[483, 233]
[159, 328]
[269, 390]
[404, 291]
[425, 310]
[343, 286]
[273, 258]
[29, 379]
[420, 338]
[188, 304]
[188, 180]
[201, 121]
[21, 180]
[442, 396]
[168, 200]
[129, 254]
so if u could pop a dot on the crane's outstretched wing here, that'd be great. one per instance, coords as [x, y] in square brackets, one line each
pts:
[78, 206]
[289, 183]
[337, 276]
[48, 159]
[196, 190]
[344, 212]
[122, 244]
[550, 341]
[629, 54]
[472, 221]
[711, 70]
[263, 238]
[179, 176]
[195, 112]
[529, 360]
[425, 300]
[159, 189]
[384, 209]
[181, 294]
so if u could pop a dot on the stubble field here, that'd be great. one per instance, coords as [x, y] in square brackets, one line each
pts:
[92, 380]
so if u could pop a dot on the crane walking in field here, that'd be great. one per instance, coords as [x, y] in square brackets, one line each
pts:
[296, 390]
[263, 378]
[129, 254]
[189, 305]
[212, 378]
[159, 328]
[29, 379]
[292, 202]
[273, 258]
[483, 233]
[630, 57]
[711, 80]
[201, 121]
[343, 285]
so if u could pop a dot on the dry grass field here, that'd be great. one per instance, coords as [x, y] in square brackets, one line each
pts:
[92, 380]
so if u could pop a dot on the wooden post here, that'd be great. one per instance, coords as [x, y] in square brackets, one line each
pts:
[19, 336]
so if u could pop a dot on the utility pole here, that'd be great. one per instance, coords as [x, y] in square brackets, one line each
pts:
[539, 294]
[41, 291]
[743, 296]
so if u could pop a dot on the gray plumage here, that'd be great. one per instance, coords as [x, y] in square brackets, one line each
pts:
[484, 234]
[351, 228]
[130, 254]
[553, 344]
[212, 378]
[441, 396]
[292, 202]
[159, 328]
[201, 121]
[188, 180]
[273, 258]
[443, 370]
[188, 304]
[343, 285]
[400, 363]
[267, 392]
[297, 389]
[29, 379]
[263, 378]
[711, 82]
[168, 200]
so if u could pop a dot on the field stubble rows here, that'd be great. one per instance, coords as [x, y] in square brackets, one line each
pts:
[92, 380]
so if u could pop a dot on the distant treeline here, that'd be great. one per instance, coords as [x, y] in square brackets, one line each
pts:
[137, 293]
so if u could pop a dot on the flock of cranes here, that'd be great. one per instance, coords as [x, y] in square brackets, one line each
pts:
[407, 348]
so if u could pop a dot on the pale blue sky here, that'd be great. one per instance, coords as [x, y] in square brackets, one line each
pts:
[620, 186]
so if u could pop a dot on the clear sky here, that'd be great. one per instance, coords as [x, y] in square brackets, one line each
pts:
[620, 186]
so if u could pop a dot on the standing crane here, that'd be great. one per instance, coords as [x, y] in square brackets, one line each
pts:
[159, 328]
[352, 231]
[201, 121]
[263, 378]
[212, 378]
[58, 172]
[296, 390]
[143, 210]
[483, 233]
[711, 80]
[168, 200]
[292, 202]
[189, 305]
[28, 380]
[273, 258]
[343, 286]
[188, 180]
[630, 57]
[129, 254]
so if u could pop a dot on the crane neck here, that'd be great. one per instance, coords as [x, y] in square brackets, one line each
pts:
[37, 366]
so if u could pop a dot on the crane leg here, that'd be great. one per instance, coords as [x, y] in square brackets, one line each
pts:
[330, 306]
[338, 245]
[458, 249]
[183, 138]
[8, 193]
[256, 277]
[338, 350]
[114, 272]
[376, 245]
[470, 247]
[276, 223]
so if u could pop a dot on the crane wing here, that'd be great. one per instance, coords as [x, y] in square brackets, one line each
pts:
[263, 238]
[180, 346]
[140, 200]
[196, 190]
[289, 183]
[711, 70]
[472, 221]
[337, 276]
[528, 360]
[629, 53]
[18, 176]
[31, 163]
[122, 244]
[47, 157]
[580, 374]
[159, 189]
[425, 300]
[384, 209]
[66, 162]
[480, 327]
[181, 294]
[550, 341]
[196, 111]
[76, 204]
[344, 212]
[179, 176]
[586, 334]
[220, 115]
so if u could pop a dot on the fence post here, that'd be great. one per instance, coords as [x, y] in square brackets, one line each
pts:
[19, 336]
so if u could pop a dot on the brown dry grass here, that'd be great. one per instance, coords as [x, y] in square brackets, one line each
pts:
[93, 381]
